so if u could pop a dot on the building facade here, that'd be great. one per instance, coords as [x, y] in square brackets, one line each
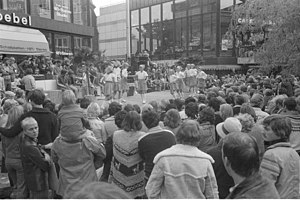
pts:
[68, 25]
[112, 31]
[171, 29]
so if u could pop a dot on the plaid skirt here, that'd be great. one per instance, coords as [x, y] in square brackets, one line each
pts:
[124, 84]
[142, 86]
[109, 88]
[180, 84]
[173, 87]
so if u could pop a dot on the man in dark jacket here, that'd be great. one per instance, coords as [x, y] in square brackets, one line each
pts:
[240, 155]
[35, 161]
[46, 120]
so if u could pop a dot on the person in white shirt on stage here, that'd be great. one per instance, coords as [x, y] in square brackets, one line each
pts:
[142, 84]
[180, 83]
[117, 82]
[201, 77]
[124, 84]
[193, 80]
[173, 83]
[109, 79]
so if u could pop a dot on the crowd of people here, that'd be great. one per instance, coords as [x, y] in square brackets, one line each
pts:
[233, 137]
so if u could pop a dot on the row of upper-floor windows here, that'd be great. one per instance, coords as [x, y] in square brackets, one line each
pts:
[60, 10]
[179, 8]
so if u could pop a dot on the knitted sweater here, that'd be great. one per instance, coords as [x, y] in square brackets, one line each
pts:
[127, 168]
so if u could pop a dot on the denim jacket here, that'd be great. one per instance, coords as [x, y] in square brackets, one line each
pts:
[281, 165]
[183, 172]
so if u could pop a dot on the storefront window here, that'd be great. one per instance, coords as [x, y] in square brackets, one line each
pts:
[77, 43]
[80, 12]
[40, 8]
[18, 6]
[145, 16]
[195, 34]
[209, 34]
[194, 7]
[62, 10]
[135, 18]
[62, 45]
[181, 36]
[135, 40]
[86, 42]
[226, 35]
[226, 3]
[180, 8]
[156, 13]
[146, 33]
[167, 11]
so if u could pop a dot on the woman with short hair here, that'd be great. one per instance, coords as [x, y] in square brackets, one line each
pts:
[172, 120]
[127, 169]
[183, 171]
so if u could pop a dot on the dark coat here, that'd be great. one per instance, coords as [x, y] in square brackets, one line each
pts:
[34, 164]
[254, 187]
[224, 181]
[47, 121]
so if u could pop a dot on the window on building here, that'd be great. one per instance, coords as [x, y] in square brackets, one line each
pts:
[86, 42]
[145, 33]
[77, 43]
[135, 40]
[195, 34]
[226, 35]
[145, 16]
[135, 18]
[181, 36]
[180, 8]
[209, 34]
[62, 45]
[18, 6]
[40, 8]
[80, 12]
[62, 10]
[168, 31]
[156, 13]
[167, 11]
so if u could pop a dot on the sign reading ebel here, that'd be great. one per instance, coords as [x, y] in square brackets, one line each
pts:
[15, 19]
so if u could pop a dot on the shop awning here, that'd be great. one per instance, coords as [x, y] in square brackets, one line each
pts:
[22, 41]
[220, 67]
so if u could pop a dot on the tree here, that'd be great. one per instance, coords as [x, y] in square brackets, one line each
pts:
[274, 26]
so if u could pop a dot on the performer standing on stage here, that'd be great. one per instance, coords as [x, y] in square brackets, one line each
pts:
[109, 79]
[193, 79]
[201, 78]
[117, 83]
[180, 83]
[142, 82]
[173, 83]
[124, 84]
[187, 76]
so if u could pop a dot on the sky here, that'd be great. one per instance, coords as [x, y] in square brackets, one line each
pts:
[104, 3]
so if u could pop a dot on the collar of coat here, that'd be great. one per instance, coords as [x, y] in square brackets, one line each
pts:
[183, 150]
